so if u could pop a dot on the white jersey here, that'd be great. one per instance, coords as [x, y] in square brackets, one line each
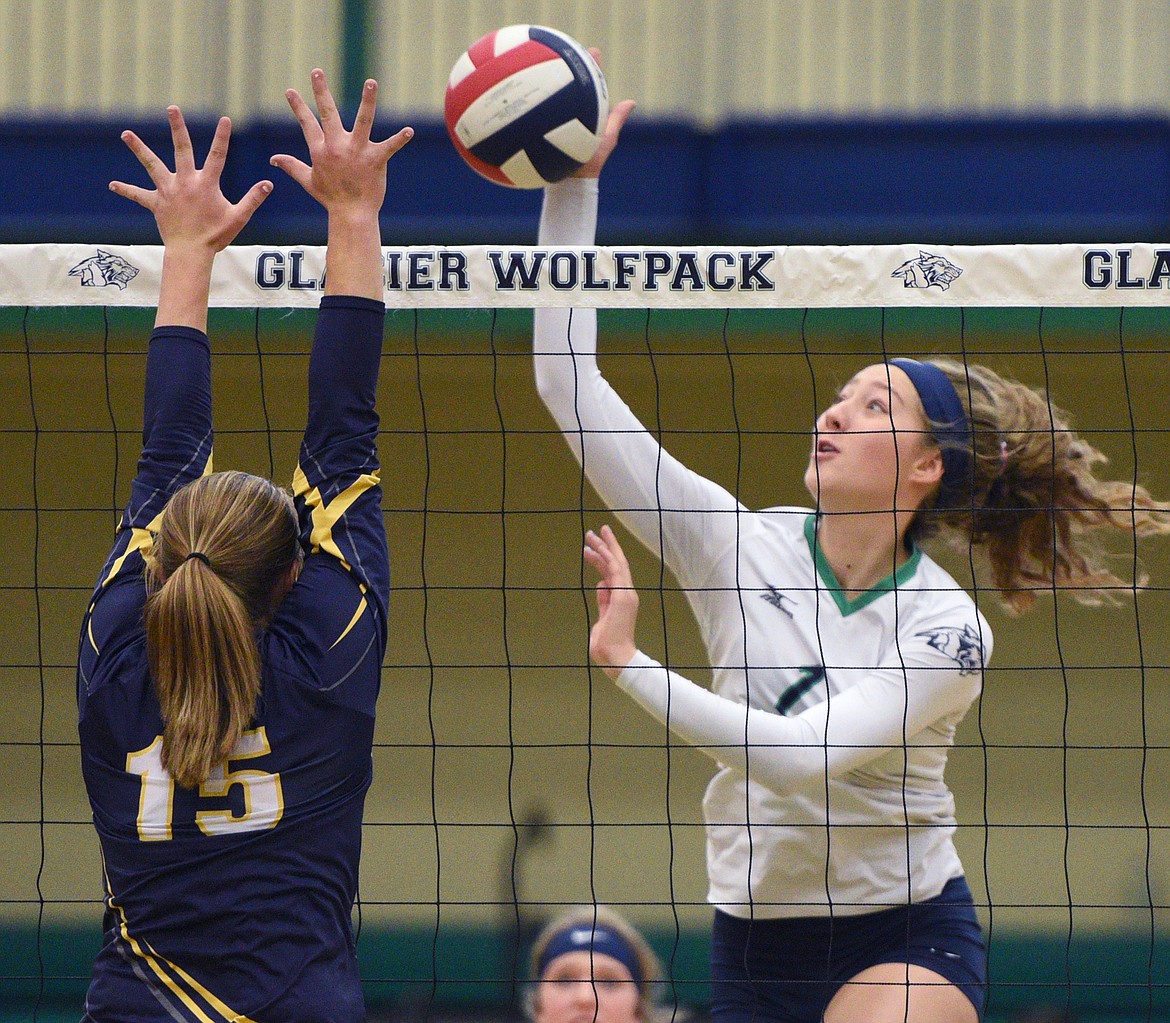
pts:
[830, 718]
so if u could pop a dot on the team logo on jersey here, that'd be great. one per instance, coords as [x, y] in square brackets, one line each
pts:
[779, 600]
[927, 271]
[960, 645]
[104, 269]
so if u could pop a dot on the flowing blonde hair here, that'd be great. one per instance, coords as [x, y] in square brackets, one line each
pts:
[1033, 503]
[224, 544]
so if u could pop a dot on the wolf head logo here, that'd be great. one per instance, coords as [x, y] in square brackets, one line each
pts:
[961, 645]
[104, 269]
[927, 271]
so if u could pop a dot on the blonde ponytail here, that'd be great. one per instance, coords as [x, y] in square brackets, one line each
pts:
[224, 544]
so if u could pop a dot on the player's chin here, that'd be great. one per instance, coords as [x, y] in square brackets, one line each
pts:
[814, 480]
[830, 489]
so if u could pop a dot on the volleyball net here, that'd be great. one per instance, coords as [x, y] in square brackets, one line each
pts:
[509, 781]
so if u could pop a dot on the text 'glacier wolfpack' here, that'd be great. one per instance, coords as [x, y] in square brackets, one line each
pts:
[618, 270]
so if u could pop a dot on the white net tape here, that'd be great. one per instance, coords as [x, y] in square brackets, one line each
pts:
[614, 277]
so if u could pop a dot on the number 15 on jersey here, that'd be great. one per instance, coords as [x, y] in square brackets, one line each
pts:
[263, 799]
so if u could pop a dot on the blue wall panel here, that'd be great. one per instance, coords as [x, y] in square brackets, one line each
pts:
[950, 181]
[782, 182]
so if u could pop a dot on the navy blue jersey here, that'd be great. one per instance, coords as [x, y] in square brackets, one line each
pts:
[233, 901]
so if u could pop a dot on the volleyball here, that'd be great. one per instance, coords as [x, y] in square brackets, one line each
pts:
[526, 106]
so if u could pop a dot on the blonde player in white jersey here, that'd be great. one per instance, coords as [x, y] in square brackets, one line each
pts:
[843, 657]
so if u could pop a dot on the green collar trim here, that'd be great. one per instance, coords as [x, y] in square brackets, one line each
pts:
[827, 576]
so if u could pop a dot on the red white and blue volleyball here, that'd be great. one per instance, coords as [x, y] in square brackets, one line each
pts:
[526, 106]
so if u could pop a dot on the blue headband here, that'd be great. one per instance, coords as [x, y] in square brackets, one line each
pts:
[949, 424]
[599, 940]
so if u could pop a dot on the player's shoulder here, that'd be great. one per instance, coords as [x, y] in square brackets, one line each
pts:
[942, 605]
[113, 621]
[116, 703]
[791, 521]
[783, 535]
[938, 591]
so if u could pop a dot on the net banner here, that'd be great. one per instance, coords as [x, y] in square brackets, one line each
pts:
[484, 276]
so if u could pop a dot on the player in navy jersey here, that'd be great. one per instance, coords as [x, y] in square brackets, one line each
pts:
[843, 657]
[231, 655]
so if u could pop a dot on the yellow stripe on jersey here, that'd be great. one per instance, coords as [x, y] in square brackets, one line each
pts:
[354, 620]
[174, 977]
[141, 539]
[326, 516]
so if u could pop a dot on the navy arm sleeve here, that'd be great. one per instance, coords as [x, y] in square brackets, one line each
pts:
[176, 449]
[335, 616]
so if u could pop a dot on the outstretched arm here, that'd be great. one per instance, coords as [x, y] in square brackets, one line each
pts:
[888, 706]
[194, 218]
[195, 221]
[346, 175]
[337, 610]
[680, 516]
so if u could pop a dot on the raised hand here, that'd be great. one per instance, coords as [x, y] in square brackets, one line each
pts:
[187, 203]
[346, 175]
[613, 128]
[611, 640]
[618, 115]
[347, 170]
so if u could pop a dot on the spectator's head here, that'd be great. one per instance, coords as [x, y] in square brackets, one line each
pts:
[591, 965]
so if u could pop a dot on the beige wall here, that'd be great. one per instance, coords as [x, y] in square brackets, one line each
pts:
[707, 59]
[113, 56]
[712, 60]
[1063, 764]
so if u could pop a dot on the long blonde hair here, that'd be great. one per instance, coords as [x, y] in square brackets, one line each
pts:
[224, 544]
[1035, 505]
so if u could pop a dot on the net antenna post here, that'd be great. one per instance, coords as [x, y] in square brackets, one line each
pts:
[518, 925]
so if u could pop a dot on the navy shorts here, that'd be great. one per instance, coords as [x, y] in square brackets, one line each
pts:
[789, 969]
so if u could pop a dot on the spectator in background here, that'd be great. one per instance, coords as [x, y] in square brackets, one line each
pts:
[591, 965]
